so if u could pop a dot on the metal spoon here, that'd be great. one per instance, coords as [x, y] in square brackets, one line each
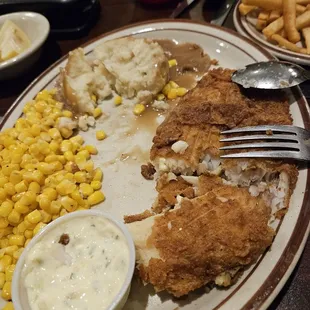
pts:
[271, 75]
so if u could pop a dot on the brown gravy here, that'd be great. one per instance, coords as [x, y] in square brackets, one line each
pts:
[192, 62]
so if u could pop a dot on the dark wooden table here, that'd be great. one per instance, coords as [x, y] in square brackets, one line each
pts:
[116, 13]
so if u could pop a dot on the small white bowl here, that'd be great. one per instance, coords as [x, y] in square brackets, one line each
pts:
[19, 294]
[37, 28]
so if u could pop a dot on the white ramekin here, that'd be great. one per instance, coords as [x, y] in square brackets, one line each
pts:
[37, 28]
[19, 295]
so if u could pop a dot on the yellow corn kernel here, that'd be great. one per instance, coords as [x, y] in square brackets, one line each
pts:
[93, 98]
[2, 194]
[95, 198]
[21, 186]
[77, 140]
[15, 231]
[84, 154]
[9, 272]
[34, 187]
[100, 135]
[118, 100]
[34, 217]
[65, 146]
[21, 208]
[9, 250]
[95, 185]
[38, 227]
[46, 168]
[66, 132]
[98, 175]
[86, 189]
[45, 137]
[18, 240]
[28, 198]
[15, 177]
[3, 180]
[138, 109]
[63, 212]
[57, 165]
[9, 188]
[89, 166]
[14, 217]
[68, 203]
[6, 207]
[67, 113]
[28, 225]
[54, 146]
[172, 63]
[6, 291]
[35, 130]
[54, 217]
[44, 202]
[77, 196]
[172, 94]
[173, 84]
[55, 207]
[2, 279]
[3, 222]
[46, 217]
[50, 193]
[166, 89]
[28, 233]
[80, 177]
[54, 134]
[5, 261]
[4, 242]
[160, 97]
[21, 227]
[91, 149]
[34, 176]
[69, 155]
[8, 306]
[97, 112]
[16, 158]
[181, 91]
[65, 187]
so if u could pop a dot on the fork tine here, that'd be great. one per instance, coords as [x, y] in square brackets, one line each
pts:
[276, 128]
[284, 145]
[260, 137]
[266, 154]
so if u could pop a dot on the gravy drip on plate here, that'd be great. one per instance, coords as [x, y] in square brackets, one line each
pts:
[192, 62]
[85, 272]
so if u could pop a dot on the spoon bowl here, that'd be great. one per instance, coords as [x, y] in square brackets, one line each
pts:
[271, 75]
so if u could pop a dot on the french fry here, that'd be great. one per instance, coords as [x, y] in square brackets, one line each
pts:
[274, 27]
[265, 4]
[261, 24]
[306, 34]
[285, 43]
[303, 2]
[289, 18]
[246, 9]
[303, 20]
[300, 9]
[274, 14]
[264, 15]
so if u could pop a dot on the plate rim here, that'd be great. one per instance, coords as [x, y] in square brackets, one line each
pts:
[279, 52]
[259, 300]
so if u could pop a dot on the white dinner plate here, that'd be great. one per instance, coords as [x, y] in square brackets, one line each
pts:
[128, 192]
[245, 25]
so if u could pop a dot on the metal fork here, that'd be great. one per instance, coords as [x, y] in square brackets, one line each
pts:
[288, 142]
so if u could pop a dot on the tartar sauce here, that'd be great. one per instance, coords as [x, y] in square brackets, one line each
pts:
[80, 264]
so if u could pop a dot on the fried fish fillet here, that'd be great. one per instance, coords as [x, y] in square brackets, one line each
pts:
[203, 239]
[188, 140]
